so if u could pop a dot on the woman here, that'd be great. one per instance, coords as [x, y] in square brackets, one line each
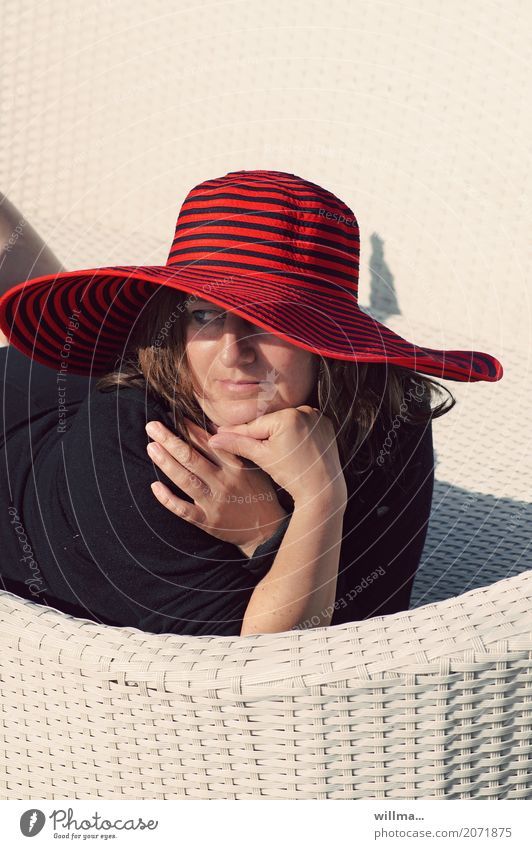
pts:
[298, 501]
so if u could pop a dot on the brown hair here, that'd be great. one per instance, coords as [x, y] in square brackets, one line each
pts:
[354, 395]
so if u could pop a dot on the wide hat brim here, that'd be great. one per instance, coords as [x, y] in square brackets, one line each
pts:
[82, 320]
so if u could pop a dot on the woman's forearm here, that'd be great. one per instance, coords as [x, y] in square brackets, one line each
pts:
[301, 583]
[23, 253]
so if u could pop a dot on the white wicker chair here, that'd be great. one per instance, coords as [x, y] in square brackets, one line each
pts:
[434, 702]
[431, 703]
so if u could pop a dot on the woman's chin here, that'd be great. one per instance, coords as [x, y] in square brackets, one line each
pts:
[241, 412]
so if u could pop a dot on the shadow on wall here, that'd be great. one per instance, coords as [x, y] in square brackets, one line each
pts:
[473, 540]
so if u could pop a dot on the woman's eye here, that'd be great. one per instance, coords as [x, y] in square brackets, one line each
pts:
[198, 313]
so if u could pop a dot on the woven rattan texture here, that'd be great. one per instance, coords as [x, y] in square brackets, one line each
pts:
[432, 703]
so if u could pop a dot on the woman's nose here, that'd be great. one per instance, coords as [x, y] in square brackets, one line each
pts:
[237, 341]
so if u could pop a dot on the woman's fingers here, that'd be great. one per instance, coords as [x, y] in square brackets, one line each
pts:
[179, 449]
[230, 504]
[176, 505]
[241, 446]
[190, 470]
[213, 452]
[179, 473]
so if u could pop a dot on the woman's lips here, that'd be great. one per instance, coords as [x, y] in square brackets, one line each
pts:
[240, 387]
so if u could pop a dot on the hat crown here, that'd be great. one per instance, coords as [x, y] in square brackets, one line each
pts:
[269, 223]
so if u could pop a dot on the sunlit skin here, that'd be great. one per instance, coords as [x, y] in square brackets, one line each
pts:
[222, 345]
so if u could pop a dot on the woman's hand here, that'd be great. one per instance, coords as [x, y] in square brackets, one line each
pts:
[295, 446]
[233, 501]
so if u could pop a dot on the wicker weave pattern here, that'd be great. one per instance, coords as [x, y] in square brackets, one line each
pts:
[432, 703]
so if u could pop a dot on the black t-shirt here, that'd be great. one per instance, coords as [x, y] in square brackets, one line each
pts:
[84, 533]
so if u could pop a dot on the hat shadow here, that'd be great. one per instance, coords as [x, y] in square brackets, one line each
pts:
[473, 540]
[383, 299]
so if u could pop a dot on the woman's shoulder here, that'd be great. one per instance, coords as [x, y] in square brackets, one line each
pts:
[115, 416]
[126, 397]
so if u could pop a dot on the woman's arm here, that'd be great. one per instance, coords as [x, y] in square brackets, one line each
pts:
[301, 583]
[23, 253]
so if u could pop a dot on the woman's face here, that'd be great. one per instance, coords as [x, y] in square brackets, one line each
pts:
[221, 345]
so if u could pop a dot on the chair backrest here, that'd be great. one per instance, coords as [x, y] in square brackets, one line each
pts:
[430, 703]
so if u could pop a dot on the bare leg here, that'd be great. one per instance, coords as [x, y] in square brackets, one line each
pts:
[23, 253]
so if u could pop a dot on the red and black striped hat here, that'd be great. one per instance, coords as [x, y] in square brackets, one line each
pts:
[278, 250]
